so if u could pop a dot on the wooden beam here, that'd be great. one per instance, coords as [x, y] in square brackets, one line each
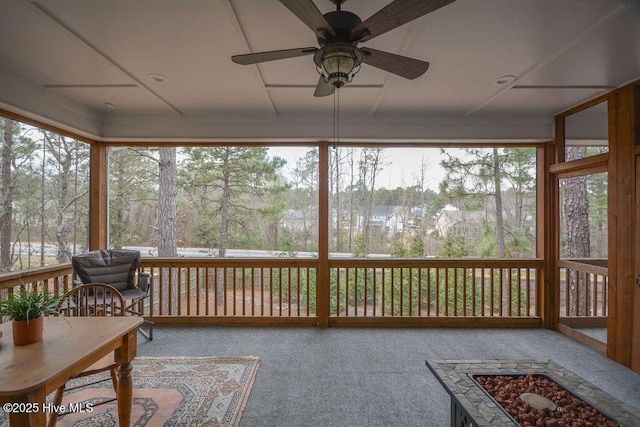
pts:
[635, 331]
[583, 338]
[622, 226]
[548, 235]
[587, 165]
[436, 322]
[45, 126]
[323, 277]
[98, 215]
[559, 136]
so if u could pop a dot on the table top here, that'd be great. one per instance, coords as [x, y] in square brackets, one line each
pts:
[69, 346]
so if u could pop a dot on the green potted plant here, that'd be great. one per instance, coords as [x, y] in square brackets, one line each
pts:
[27, 308]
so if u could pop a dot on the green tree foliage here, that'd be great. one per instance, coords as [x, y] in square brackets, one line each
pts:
[44, 201]
[67, 165]
[232, 191]
[454, 246]
[501, 184]
[302, 202]
[133, 196]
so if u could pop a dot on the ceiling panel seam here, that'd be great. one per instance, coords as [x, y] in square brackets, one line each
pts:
[407, 41]
[235, 22]
[51, 16]
[573, 41]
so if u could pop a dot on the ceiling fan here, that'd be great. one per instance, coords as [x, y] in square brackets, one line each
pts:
[338, 58]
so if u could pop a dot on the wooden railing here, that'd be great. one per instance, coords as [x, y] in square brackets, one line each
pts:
[230, 287]
[434, 287]
[57, 278]
[402, 292]
[583, 288]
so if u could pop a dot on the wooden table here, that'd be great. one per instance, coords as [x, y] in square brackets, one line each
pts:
[70, 345]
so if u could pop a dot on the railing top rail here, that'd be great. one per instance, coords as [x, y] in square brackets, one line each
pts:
[586, 267]
[16, 278]
[186, 262]
[439, 262]
[344, 262]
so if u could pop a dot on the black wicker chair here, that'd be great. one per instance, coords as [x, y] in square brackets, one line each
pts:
[118, 268]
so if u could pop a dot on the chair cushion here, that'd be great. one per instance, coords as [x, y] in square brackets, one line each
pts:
[115, 267]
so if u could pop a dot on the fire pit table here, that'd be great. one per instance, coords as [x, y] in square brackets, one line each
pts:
[473, 405]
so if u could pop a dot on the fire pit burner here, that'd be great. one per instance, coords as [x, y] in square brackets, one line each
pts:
[473, 405]
[561, 408]
[537, 401]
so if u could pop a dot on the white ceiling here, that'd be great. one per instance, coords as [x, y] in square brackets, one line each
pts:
[88, 65]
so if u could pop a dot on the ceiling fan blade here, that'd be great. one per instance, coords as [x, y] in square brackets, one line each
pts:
[308, 13]
[403, 66]
[323, 88]
[395, 14]
[254, 58]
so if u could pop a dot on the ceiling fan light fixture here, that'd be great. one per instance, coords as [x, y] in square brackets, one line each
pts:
[338, 63]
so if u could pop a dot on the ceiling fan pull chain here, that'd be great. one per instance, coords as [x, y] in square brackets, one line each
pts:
[337, 115]
[338, 96]
[336, 118]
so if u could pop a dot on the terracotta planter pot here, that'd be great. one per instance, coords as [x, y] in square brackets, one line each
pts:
[25, 333]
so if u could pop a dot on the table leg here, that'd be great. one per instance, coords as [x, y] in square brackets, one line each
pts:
[123, 356]
[125, 394]
[33, 414]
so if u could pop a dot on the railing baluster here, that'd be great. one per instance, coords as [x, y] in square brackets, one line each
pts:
[456, 304]
[392, 293]
[446, 291]
[605, 293]
[188, 292]
[401, 291]
[493, 291]
[355, 291]
[510, 291]
[527, 300]
[280, 292]
[437, 276]
[429, 291]
[298, 302]
[381, 277]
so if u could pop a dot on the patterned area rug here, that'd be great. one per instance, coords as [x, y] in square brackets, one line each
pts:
[169, 391]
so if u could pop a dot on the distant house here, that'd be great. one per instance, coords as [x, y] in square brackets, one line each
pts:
[299, 222]
[386, 219]
[451, 220]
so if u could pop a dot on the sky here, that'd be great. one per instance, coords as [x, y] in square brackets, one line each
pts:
[402, 165]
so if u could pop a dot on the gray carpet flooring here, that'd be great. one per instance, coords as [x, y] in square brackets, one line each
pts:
[373, 377]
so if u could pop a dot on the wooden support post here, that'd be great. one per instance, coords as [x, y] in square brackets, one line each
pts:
[635, 328]
[622, 340]
[323, 276]
[98, 181]
[547, 243]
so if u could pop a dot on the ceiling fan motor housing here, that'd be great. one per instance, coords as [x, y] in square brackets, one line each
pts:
[337, 63]
[338, 58]
[342, 22]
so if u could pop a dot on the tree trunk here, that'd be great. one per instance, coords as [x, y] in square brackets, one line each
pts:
[224, 208]
[506, 302]
[499, 211]
[224, 227]
[576, 208]
[352, 213]
[6, 208]
[167, 233]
